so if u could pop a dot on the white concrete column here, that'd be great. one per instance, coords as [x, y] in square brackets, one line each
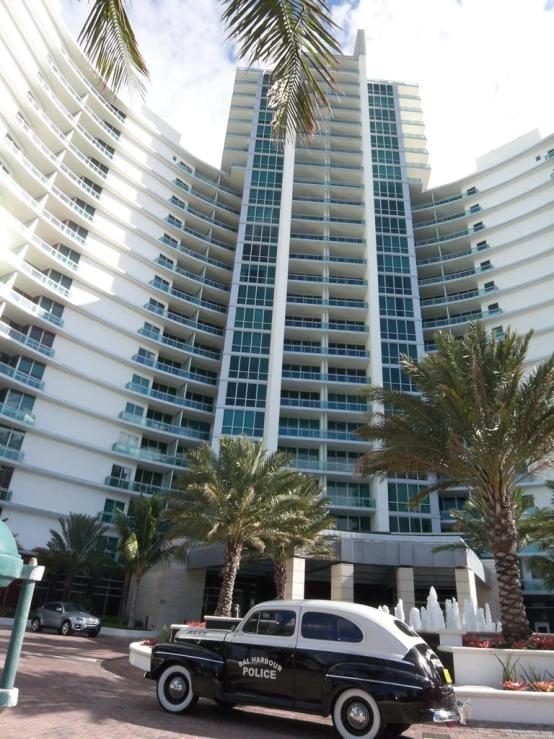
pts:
[342, 582]
[296, 575]
[466, 588]
[405, 588]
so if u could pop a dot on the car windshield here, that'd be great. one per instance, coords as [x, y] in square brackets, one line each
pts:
[73, 608]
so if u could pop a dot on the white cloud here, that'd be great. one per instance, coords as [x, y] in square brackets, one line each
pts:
[484, 68]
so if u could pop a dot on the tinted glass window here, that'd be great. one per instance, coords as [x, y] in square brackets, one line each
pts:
[271, 623]
[328, 627]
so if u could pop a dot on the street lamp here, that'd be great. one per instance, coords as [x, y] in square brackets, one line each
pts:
[12, 568]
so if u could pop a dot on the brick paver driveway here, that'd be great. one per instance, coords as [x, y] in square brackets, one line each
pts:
[78, 687]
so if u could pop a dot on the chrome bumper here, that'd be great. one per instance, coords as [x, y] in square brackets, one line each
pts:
[460, 714]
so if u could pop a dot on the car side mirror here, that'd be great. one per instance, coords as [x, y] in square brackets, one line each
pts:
[59, 609]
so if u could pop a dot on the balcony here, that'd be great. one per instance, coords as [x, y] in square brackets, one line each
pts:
[462, 318]
[167, 428]
[325, 405]
[314, 465]
[17, 415]
[15, 374]
[326, 377]
[349, 501]
[209, 219]
[162, 367]
[22, 339]
[450, 237]
[456, 255]
[207, 239]
[168, 398]
[325, 351]
[159, 285]
[333, 326]
[5, 494]
[455, 216]
[205, 198]
[454, 276]
[163, 262]
[327, 239]
[136, 487]
[30, 307]
[337, 302]
[328, 259]
[466, 295]
[9, 453]
[198, 325]
[319, 434]
[194, 254]
[294, 277]
[43, 279]
[177, 460]
[160, 338]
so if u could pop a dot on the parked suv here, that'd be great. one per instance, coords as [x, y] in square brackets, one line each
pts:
[66, 618]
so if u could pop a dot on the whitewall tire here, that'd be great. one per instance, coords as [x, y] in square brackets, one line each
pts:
[174, 690]
[356, 715]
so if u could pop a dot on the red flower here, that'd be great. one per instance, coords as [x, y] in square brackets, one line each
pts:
[509, 685]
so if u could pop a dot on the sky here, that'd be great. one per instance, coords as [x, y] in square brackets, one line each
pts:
[484, 67]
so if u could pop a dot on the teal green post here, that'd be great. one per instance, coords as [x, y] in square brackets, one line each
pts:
[18, 632]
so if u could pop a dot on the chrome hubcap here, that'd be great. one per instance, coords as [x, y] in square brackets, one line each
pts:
[177, 688]
[357, 715]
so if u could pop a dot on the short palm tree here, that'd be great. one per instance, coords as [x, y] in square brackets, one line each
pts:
[303, 536]
[74, 550]
[239, 498]
[479, 422]
[293, 37]
[144, 543]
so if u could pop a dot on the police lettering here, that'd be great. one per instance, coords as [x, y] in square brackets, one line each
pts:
[259, 672]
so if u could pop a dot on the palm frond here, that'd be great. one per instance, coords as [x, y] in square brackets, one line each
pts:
[295, 37]
[111, 46]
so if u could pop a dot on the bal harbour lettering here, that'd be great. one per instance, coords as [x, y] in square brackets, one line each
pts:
[268, 673]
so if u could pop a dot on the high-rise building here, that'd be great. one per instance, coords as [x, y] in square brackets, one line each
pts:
[150, 302]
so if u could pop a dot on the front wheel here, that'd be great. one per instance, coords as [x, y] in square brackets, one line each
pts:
[356, 715]
[36, 626]
[174, 690]
[66, 628]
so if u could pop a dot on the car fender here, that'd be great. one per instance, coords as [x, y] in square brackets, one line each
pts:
[205, 666]
[387, 682]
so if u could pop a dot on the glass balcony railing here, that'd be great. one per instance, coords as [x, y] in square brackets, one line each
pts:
[194, 254]
[44, 279]
[328, 184]
[325, 405]
[326, 377]
[164, 262]
[155, 336]
[325, 258]
[9, 453]
[327, 280]
[455, 255]
[327, 239]
[333, 326]
[550, 155]
[26, 340]
[209, 219]
[322, 219]
[205, 198]
[5, 494]
[17, 415]
[33, 308]
[187, 297]
[15, 374]
[465, 295]
[463, 318]
[169, 398]
[325, 350]
[455, 275]
[340, 302]
[196, 234]
[330, 201]
[168, 428]
[465, 213]
[433, 204]
[450, 237]
[136, 487]
[318, 434]
[177, 460]
[176, 371]
[198, 325]
[349, 501]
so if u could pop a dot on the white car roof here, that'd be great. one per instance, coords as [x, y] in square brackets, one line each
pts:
[398, 641]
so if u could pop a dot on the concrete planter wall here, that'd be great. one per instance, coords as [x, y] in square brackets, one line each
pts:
[488, 704]
[473, 665]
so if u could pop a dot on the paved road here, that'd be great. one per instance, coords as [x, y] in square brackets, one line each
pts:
[78, 687]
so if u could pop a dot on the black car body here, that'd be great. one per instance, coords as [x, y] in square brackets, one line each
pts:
[364, 667]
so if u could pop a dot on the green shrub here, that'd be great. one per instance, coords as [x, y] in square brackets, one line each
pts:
[7, 612]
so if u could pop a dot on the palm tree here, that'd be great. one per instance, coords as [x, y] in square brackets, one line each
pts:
[303, 533]
[239, 498]
[75, 550]
[294, 37]
[470, 522]
[144, 543]
[480, 423]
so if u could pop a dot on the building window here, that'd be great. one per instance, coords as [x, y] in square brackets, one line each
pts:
[401, 493]
[409, 525]
[249, 342]
[397, 380]
[250, 423]
[246, 394]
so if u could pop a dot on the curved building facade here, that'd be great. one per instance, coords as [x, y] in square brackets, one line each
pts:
[150, 302]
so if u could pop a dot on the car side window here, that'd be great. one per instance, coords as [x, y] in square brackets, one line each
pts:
[49, 607]
[271, 623]
[329, 627]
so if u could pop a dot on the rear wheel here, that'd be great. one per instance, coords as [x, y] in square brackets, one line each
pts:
[36, 625]
[66, 629]
[174, 690]
[356, 715]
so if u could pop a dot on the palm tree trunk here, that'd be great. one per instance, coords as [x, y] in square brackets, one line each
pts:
[231, 564]
[280, 578]
[515, 625]
[131, 622]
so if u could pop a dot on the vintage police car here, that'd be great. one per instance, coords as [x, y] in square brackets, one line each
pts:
[364, 667]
